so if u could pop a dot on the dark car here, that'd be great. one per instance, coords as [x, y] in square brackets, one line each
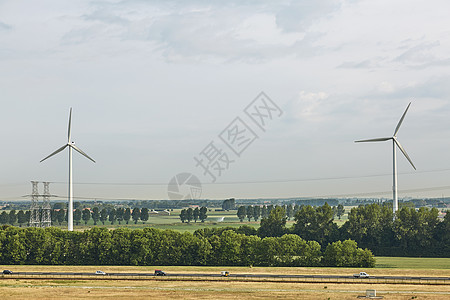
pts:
[7, 272]
[160, 273]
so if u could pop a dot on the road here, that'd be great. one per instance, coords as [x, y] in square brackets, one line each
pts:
[243, 277]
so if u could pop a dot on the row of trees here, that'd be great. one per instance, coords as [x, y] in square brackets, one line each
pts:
[60, 215]
[12, 217]
[256, 212]
[411, 233]
[189, 214]
[149, 246]
[113, 215]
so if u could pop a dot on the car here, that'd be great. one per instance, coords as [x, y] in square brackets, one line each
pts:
[7, 272]
[100, 272]
[160, 273]
[361, 275]
[225, 273]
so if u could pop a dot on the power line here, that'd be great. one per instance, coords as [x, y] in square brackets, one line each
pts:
[260, 181]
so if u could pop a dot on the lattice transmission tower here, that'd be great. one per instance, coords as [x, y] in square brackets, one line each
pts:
[35, 220]
[46, 219]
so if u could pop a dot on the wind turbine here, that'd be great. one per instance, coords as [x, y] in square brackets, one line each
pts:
[395, 142]
[71, 146]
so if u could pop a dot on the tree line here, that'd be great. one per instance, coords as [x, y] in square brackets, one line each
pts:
[150, 246]
[256, 212]
[189, 214]
[411, 233]
[58, 216]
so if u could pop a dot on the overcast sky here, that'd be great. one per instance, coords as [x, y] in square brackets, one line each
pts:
[153, 83]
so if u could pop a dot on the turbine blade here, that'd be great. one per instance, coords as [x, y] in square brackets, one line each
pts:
[401, 120]
[81, 152]
[375, 140]
[68, 129]
[57, 151]
[404, 153]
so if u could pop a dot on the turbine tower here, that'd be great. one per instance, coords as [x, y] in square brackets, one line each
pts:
[395, 143]
[71, 146]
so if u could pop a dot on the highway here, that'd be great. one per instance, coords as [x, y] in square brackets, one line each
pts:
[240, 277]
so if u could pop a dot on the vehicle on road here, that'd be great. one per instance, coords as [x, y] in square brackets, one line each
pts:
[225, 273]
[7, 272]
[361, 275]
[100, 272]
[160, 273]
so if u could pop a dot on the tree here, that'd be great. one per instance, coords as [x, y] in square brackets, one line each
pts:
[203, 214]
[21, 218]
[274, 225]
[340, 210]
[95, 215]
[136, 214]
[347, 254]
[86, 215]
[4, 218]
[316, 224]
[228, 204]
[256, 212]
[119, 214]
[144, 214]
[249, 212]
[246, 230]
[414, 231]
[60, 216]
[103, 215]
[127, 215]
[289, 211]
[54, 216]
[189, 214]
[264, 212]
[443, 236]
[241, 213]
[196, 214]
[12, 217]
[27, 215]
[269, 209]
[76, 216]
[183, 216]
[371, 226]
[112, 216]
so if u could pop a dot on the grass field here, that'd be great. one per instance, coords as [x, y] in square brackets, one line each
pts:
[109, 289]
[413, 263]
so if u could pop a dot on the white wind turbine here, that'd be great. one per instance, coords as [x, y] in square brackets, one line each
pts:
[71, 146]
[394, 143]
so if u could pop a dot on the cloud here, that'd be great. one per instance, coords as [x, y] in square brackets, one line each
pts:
[365, 64]
[203, 31]
[298, 16]
[422, 56]
[5, 27]
[435, 87]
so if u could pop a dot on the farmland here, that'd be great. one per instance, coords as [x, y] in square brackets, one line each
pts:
[109, 289]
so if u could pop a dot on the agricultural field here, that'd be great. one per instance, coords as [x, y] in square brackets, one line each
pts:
[215, 219]
[226, 289]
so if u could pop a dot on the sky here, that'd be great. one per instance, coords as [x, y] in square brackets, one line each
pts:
[163, 88]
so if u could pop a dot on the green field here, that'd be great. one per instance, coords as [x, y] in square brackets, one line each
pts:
[413, 263]
[173, 222]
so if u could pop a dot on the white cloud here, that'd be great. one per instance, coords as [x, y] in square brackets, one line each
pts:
[309, 105]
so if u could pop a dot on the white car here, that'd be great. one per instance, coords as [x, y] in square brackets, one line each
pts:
[100, 272]
[361, 275]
